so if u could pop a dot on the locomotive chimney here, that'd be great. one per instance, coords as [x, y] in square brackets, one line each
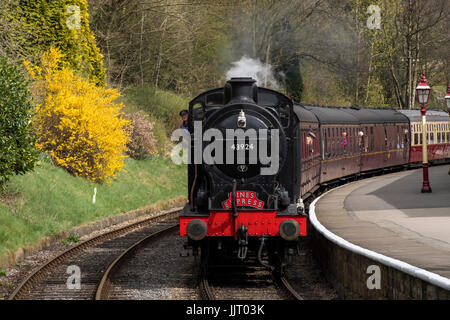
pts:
[241, 90]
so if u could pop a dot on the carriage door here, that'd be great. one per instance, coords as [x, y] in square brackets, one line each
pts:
[360, 146]
[405, 143]
[386, 145]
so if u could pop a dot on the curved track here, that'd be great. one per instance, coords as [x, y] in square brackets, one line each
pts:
[91, 257]
[106, 281]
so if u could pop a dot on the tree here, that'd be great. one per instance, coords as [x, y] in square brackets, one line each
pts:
[170, 44]
[400, 49]
[293, 80]
[17, 152]
[63, 24]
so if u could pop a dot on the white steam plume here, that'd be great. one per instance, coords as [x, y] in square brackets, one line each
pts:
[248, 67]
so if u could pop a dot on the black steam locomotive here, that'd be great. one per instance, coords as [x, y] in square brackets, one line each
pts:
[244, 174]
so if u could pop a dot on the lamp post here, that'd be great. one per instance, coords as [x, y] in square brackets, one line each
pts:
[447, 102]
[423, 94]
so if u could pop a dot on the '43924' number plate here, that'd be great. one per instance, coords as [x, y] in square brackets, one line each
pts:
[242, 146]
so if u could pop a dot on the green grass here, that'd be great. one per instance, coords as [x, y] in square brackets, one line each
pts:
[70, 239]
[162, 106]
[6, 284]
[49, 201]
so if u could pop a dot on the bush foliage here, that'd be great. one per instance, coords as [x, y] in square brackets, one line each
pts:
[159, 104]
[63, 24]
[17, 152]
[78, 123]
[142, 141]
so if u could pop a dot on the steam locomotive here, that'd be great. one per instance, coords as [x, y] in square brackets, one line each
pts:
[255, 156]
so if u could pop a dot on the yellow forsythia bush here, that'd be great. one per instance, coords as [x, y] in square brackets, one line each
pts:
[77, 122]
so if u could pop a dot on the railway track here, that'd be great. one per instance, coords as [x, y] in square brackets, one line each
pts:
[286, 291]
[139, 262]
[243, 282]
[92, 258]
[106, 282]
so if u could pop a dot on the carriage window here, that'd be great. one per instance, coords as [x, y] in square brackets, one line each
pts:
[416, 138]
[438, 137]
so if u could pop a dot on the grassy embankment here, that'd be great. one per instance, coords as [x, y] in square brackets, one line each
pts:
[49, 201]
[162, 106]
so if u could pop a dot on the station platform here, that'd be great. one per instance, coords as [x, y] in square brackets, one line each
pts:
[389, 215]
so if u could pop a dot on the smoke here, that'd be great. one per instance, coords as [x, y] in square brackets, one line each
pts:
[248, 67]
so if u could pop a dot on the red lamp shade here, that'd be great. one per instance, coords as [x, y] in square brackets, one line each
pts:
[447, 98]
[423, 90]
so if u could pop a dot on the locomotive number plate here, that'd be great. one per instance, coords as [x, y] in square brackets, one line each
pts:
[242, 146]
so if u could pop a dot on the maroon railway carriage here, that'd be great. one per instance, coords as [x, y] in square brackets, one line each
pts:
[309, 174]
[438, 133]
[384, 139]
[340, 155]
[355, 140]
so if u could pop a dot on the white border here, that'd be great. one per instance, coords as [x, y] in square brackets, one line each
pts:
[422, 274]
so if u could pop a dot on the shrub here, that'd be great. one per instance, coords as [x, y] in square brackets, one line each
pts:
[17, 152]
[142, 141]
[78, 124]
[159, 104]
[52, 23]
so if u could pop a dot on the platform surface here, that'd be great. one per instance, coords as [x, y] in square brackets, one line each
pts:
[389, 215]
